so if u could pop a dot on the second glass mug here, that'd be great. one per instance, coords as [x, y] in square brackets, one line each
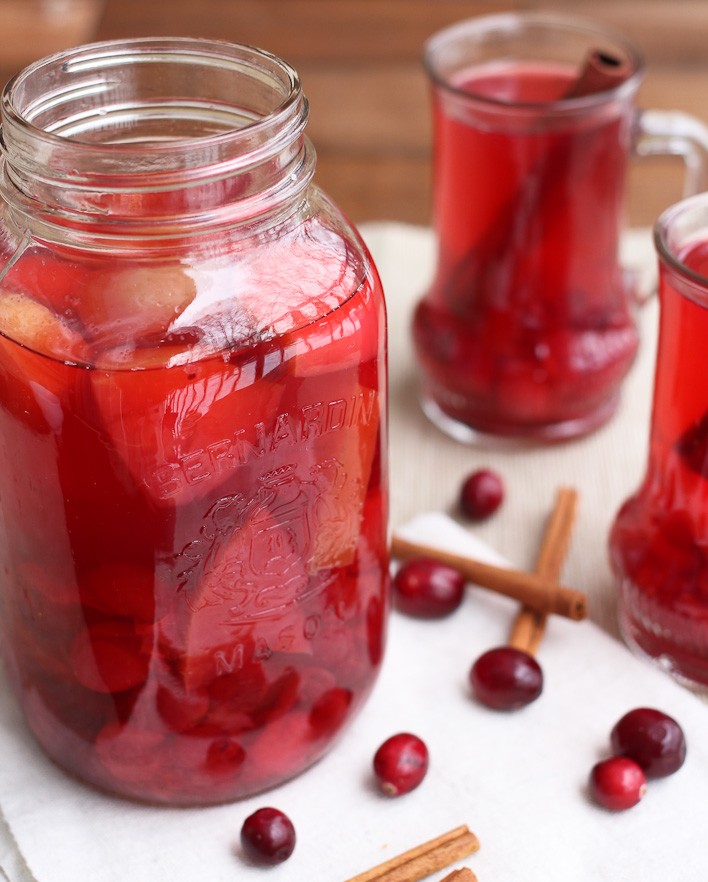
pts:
[659, 538]
[528, 327]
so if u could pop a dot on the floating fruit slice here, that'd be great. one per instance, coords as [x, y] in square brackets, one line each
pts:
[35, 343]
[132, 303]
[57, 283]
[36, 327]
[185, 429]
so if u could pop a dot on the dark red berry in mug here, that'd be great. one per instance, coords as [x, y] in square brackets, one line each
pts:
[617, 783]
[481, 494]
[400, 763]
[506, 678]
[426, 588]
[268, 836]
[651, 738]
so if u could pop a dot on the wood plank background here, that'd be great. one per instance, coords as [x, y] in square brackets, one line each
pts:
[359, 61]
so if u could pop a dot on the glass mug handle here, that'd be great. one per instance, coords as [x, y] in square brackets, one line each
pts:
[671, 133]
[674, 133]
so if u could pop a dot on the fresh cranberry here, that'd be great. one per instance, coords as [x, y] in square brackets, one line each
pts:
[652, 739]
[268, 836]
[506, 678]
[481, 494]
[426, 588]
[617, 783]
[400, 763]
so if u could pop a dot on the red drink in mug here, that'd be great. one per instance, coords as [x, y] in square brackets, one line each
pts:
[528, 327]
[192, 460]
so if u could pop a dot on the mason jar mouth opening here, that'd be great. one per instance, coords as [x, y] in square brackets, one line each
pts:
[153, 138]
[150, 106]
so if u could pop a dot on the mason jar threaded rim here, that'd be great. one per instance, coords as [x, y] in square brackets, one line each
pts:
[151, 115]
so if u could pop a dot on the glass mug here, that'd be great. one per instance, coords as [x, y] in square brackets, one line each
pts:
[193, 464]
[528, 327]
[659, 539]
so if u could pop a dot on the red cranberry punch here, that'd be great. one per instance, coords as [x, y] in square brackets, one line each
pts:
[193, 471]
[659, 540]
[528, 327]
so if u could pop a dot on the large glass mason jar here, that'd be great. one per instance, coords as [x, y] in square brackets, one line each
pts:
[193, 475]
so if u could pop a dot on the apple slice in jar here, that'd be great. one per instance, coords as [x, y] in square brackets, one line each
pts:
[121, 306]
[37, 352]
[38, 328]
[184, 429]
[54, 281]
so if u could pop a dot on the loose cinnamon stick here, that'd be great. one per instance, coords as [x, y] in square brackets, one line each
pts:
[462, 875]
[423, 860]
[544, 595]
[530, 624]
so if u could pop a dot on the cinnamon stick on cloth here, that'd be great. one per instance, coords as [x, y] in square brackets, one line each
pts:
[423, 860]
[530, 624]
[464, 874]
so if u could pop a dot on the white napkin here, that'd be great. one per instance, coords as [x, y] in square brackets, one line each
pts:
[517, 779]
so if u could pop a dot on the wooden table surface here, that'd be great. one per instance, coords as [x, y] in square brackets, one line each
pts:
[359, 61]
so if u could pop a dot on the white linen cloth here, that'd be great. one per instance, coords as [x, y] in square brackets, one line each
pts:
[517, 779]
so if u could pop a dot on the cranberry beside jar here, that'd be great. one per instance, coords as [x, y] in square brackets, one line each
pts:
[193, 473]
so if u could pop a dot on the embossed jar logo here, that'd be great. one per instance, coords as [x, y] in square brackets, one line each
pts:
[258, 554]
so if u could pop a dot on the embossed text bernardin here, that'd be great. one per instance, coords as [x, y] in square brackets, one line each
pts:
[223, 455]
